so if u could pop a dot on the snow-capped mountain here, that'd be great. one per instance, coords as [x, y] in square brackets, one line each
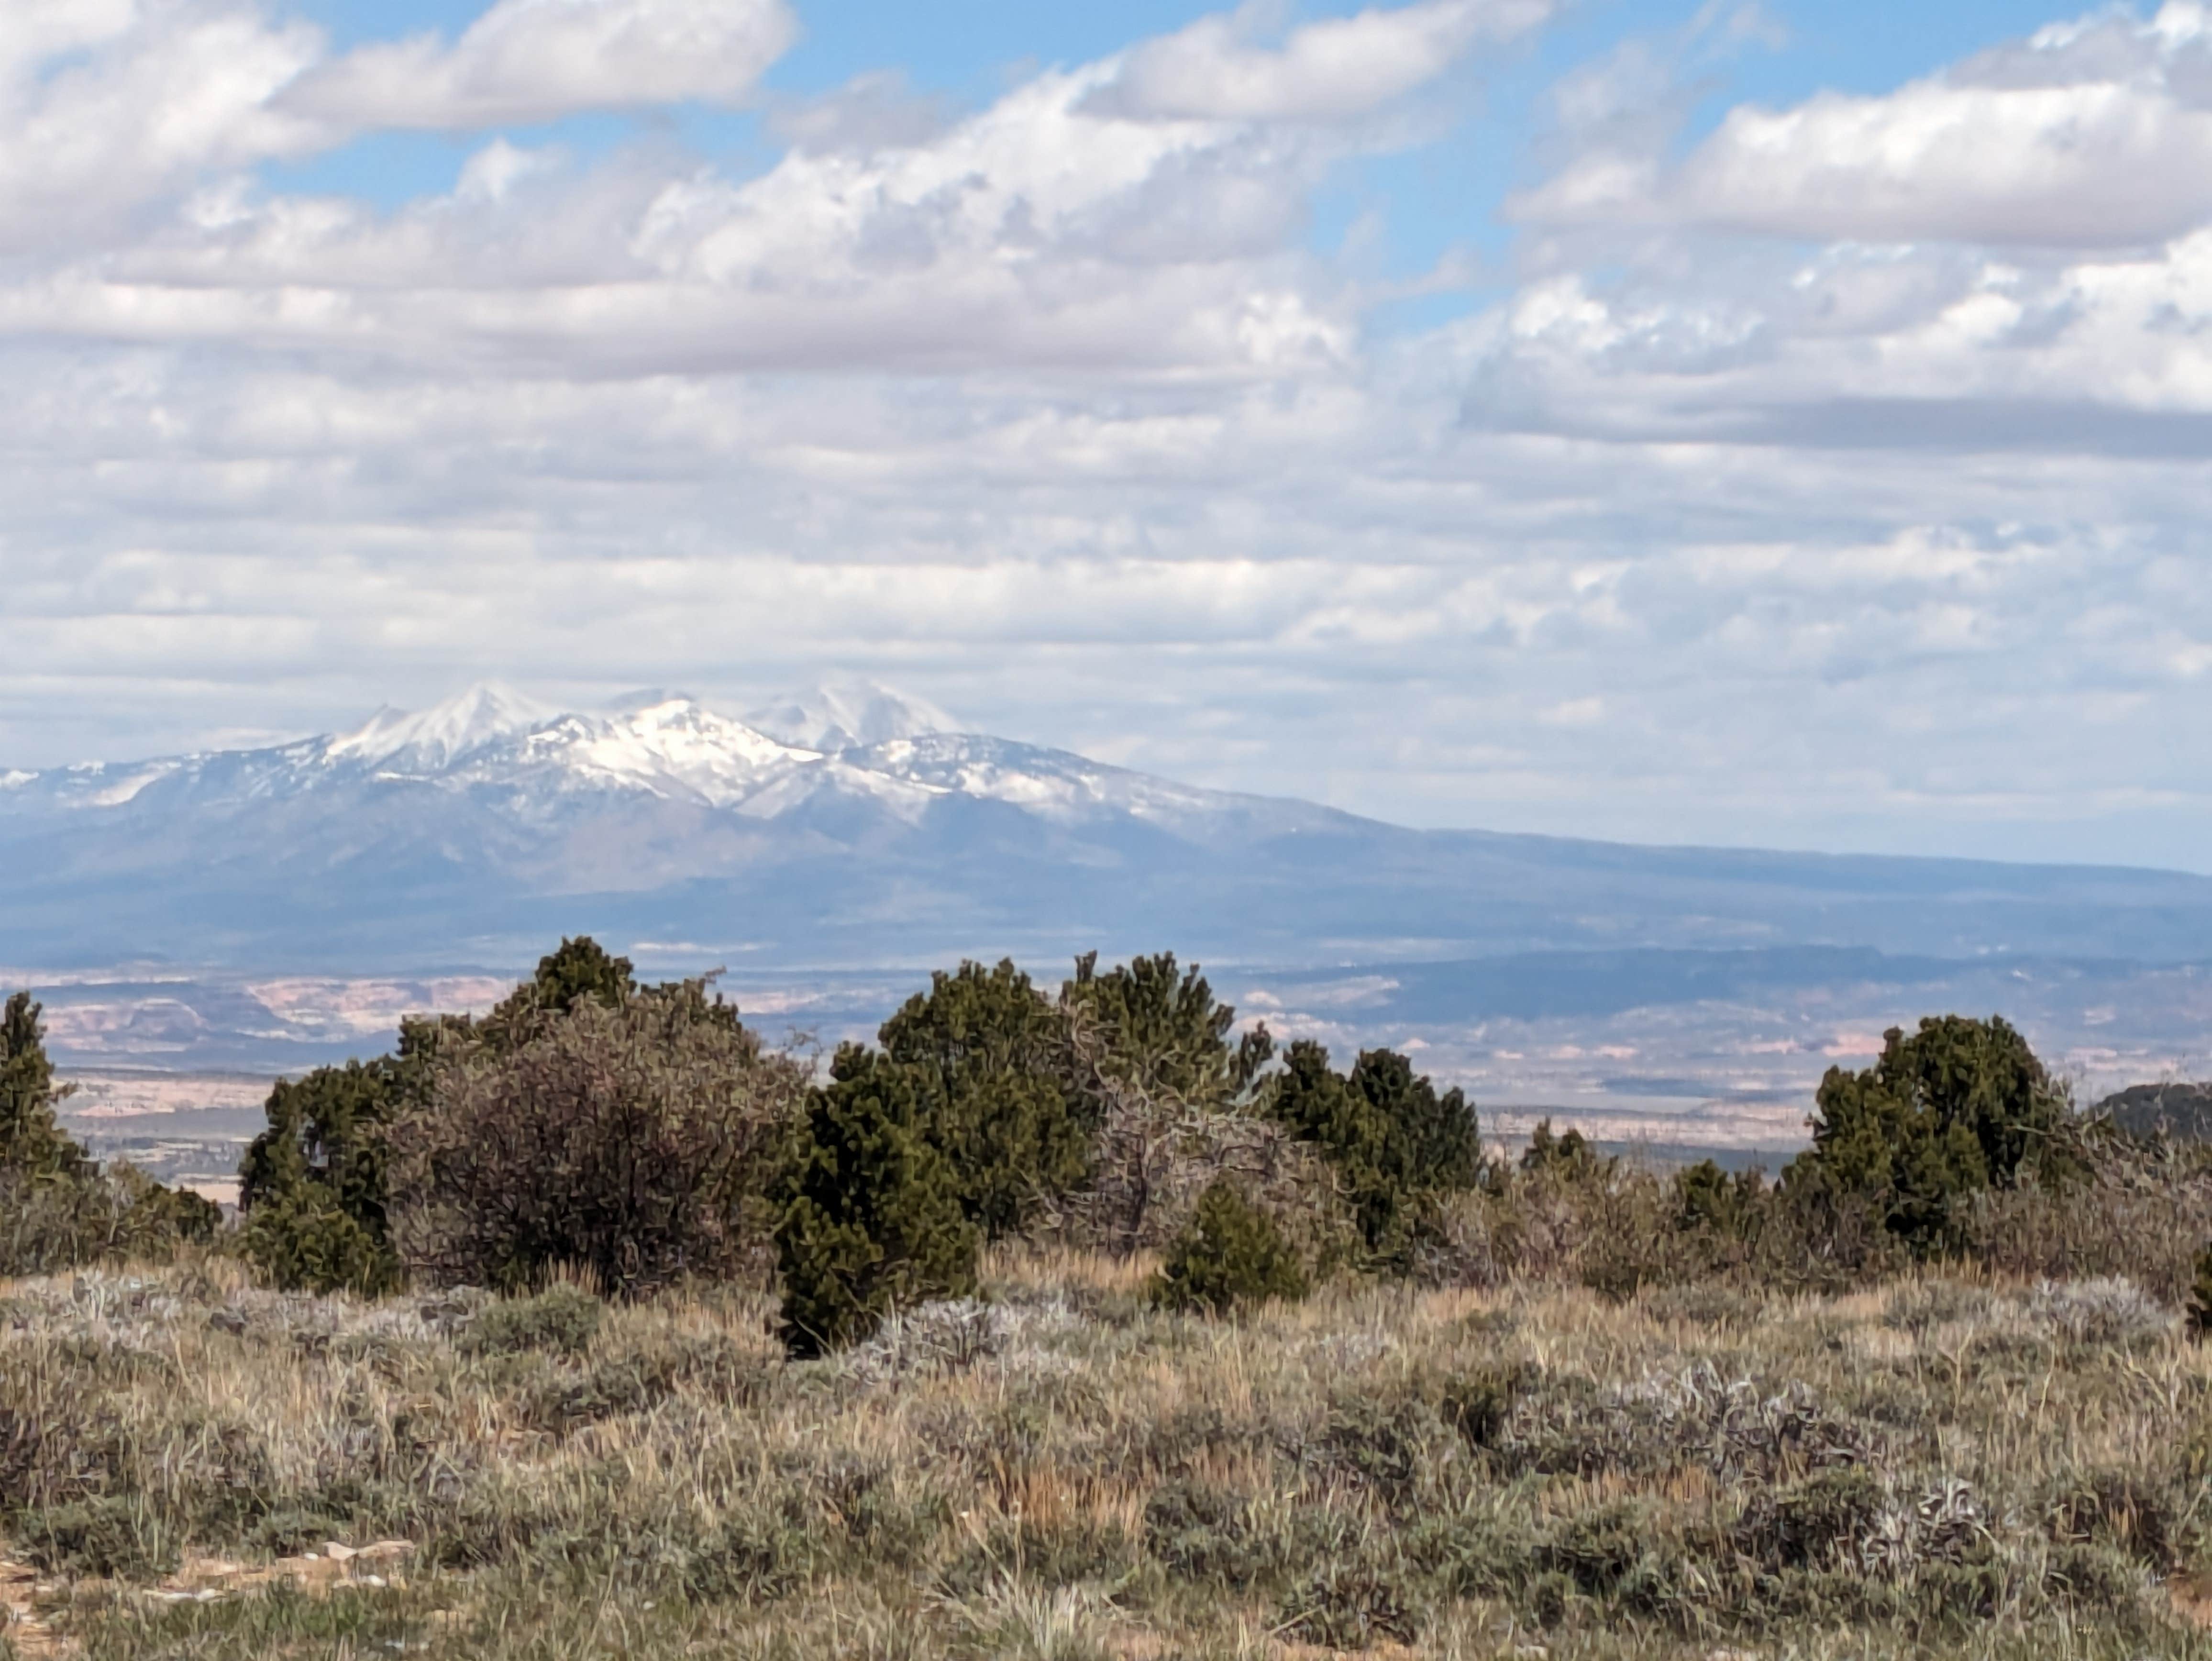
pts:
[847, 715]
[878, 749]
[860, 830]
[434, 738]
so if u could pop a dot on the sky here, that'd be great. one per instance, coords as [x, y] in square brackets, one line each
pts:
[1756, 422]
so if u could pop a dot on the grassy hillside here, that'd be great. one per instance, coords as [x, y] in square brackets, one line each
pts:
[1933, 1467]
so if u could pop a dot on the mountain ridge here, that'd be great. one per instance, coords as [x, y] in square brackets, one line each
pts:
[468, 829]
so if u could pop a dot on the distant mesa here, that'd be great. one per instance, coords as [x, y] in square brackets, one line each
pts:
[2181, 1110]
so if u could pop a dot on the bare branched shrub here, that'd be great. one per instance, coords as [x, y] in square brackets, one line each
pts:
[2144, 1211]
[1605, 1223]
[630, 1141]
[1156, 1152]
[47, 1225]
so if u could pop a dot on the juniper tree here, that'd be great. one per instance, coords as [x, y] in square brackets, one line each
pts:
[987, 1054]
[581, 968]
[1166, 1032]
[870, 1217]
[1707, 1198]
[314, 1186]
[1231, 1253]
[1961, 1106]
[1394, 1141]
[32, 1144]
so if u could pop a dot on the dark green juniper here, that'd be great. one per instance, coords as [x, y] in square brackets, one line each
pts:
[1395, 1143]
[869, 1212]
[1231, 1253]
[1960, 1106]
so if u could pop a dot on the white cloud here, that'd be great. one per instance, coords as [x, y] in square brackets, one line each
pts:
[1330, 71]
[536, 60]
[1040, 231]
[877, 110]
[2093, 135]
[108, 107]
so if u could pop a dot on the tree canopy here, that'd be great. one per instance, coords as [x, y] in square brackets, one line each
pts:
[1393, 1139]
[32, 1141]
[1962, 1105]
[987, 1054]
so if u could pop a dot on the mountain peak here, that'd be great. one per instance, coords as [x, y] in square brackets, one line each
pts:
[471, 718]
[847, 715]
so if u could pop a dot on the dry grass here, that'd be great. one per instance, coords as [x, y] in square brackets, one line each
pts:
[1940, 1467]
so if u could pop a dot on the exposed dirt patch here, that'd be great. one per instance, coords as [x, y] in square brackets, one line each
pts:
[202, 1579]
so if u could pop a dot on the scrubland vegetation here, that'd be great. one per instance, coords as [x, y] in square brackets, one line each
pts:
[1078, 1325]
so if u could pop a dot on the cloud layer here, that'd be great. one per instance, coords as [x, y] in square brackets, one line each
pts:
[1332, 71]
[536, 60]
[1836, 478]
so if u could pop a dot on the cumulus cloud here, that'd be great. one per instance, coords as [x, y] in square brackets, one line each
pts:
[1218, 68]
[2088, 135]
[1924, 350]
[537, 60]
[109, 107]
[1039, 231]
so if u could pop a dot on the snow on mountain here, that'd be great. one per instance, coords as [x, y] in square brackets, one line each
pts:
[493, 737]
[849, 715]
[1065, 789]
[436, 737]
[675, 748]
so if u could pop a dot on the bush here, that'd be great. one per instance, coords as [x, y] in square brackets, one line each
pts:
[1163, 1033]
[50, 1225]
[1960, 1106]
[155, 1219]
[1478, 1404]
[1231, 1253]
[58, 1207]
[313, 1185]
[1355, 1603]
[870, 1217]
[631, 1141]
[999, 1102]
[1395, 1143]
[561, 1320]
[1817, 1524]
[2126, 1510]
[113, 1536]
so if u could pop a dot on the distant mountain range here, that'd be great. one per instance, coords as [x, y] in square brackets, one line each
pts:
[852, 827]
